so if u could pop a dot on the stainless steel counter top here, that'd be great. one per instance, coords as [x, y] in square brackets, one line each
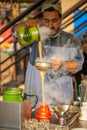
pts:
[76, 124]
[79, 124]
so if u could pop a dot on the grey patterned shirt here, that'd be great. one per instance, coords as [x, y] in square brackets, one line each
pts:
[58, 84]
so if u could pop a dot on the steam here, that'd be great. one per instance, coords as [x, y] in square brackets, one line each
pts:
[44, 59]
[44, 33]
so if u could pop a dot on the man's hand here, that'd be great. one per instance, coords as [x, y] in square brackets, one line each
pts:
[57, 63]
[70, 66]
[32, 22]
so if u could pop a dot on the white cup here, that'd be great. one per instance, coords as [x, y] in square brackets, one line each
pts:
[83, 113]
[84, 104]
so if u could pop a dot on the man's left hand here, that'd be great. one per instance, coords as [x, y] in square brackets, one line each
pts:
[57, 63]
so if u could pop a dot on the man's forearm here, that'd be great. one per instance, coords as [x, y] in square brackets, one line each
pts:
[70, 66]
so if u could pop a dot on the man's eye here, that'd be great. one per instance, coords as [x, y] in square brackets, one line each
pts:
[55, 20]
[47, 21]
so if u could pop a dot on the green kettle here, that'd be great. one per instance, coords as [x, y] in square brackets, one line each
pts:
[13, 95]
[25, 35]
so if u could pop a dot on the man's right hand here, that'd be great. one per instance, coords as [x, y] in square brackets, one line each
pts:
[32, 22]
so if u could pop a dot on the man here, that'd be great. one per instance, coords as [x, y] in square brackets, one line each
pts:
[66, 55]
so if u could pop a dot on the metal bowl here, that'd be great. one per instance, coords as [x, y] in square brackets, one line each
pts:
[43, 66]
[61, 109]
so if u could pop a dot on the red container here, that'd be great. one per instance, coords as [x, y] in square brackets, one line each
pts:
[43, 113]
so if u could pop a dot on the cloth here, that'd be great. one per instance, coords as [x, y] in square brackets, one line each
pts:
[57, 84]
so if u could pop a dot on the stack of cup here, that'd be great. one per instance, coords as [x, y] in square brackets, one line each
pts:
[43, 112]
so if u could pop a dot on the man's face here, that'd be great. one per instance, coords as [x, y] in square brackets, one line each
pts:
[52, 20]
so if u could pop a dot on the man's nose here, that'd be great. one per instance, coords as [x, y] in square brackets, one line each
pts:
[50, 24]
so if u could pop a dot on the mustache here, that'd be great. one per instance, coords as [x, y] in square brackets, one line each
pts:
[52, 28]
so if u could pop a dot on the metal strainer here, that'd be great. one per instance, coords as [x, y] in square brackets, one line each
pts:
[43, 66]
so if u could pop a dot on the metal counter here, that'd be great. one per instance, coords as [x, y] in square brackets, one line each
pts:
[79, 124]
[13, 114]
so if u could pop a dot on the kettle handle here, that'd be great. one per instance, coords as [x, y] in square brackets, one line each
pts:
[32, 95]
[13, 32]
